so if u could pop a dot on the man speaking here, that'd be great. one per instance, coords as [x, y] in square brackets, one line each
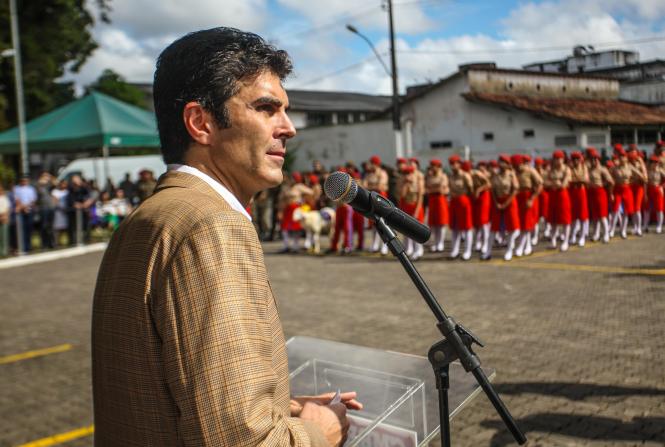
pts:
[187, 345]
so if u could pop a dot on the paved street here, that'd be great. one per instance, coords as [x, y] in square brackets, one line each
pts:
[577, 339]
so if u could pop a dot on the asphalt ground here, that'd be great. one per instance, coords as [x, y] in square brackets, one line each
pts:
[577, 338]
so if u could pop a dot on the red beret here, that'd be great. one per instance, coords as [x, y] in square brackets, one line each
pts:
[558, 154]
[654, 158]
[297, 176]
[408, 169]
[516, 159]
[660, 143]
[414, 160]
[481, 163]
[454, 159]
[313, 179]
[466, 166]
[633, 155]
[375, 159]
[401, 160]
[576, 154]
[505, 158]
[590, 150]
[435, 162]
[539, 161]
[526, 158]
[594, 154]
[609, 164]
[494, 163]
[618, 149]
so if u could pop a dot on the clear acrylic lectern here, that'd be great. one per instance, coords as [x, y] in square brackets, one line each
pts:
[398, 391]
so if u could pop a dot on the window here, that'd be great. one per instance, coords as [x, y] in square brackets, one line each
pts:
[488, 136]
[529, 133]
[623, 136]
[319, 119]
[596, 139]
[447, 144]
[344, 118]
[647, 136]
[565, 140]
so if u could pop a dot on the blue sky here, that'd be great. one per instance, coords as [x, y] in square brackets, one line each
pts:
[433, 36]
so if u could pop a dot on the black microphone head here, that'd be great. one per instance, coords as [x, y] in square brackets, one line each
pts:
[340, 187]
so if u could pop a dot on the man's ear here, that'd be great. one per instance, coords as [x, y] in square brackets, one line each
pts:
[198, 122]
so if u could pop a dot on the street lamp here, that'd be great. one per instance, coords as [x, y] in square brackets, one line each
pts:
[15, 52]
[397, 124]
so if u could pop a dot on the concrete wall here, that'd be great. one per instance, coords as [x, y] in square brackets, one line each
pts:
[334, 145]
[543, 86]
[648, 92]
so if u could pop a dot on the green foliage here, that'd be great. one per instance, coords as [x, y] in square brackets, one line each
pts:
[7, 175]
[55, 38]
[112, 84]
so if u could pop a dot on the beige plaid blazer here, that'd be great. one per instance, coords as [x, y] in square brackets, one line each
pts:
[187, 345]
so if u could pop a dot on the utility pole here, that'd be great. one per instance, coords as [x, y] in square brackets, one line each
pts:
[18, 79]
[397, 123]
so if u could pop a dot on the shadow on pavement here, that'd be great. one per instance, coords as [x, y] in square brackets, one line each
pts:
[581, 426]
[575, 391]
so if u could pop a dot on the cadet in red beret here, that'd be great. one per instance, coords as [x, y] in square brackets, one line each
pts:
[578, 198]
[600, 188]
[656, 183]
[291, 197]
[461, 212]
[411, 198]
[558, 180]
[437, 188]
[623, 173]
[638, 183]
[542, 167]
[482, 205]
[376, 179]
[505, 212]
[530, 186]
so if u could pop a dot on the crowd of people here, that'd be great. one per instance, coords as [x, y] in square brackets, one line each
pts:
[514, 201]
[65, 212]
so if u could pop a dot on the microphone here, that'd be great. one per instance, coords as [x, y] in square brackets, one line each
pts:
[340, 187]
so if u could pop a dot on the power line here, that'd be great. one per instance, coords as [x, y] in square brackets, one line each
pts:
[531, 50]
[339, 71]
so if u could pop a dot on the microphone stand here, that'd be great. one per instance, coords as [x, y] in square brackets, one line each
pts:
[457, 344]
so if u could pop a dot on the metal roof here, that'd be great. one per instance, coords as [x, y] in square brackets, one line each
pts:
[327, 101]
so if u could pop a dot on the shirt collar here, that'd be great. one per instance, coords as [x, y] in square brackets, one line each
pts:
[217, 186]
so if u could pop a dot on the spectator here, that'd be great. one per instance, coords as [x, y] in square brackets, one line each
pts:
[5, 210]
[60, 220]
[79, 201]
[123, 207]
[25, 196]
[129, 188]
[146, 184]
[46, 207]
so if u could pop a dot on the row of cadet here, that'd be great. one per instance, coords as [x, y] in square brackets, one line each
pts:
[513, 201]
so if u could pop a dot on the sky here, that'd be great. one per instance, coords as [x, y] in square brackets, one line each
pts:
[432, 36]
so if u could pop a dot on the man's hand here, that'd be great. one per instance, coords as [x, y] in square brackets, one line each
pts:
[348, 399]
[331, 419]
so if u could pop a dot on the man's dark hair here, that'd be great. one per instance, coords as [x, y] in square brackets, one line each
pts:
[206, 66]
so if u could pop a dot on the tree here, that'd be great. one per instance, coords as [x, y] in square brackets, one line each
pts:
[112, 84]
[55, 38]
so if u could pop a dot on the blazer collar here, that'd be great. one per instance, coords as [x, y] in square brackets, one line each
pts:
[173, 179]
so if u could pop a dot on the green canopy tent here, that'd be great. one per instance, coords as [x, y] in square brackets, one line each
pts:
[96, 121]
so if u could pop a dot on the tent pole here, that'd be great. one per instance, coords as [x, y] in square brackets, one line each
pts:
[105, 154]
[18, 79]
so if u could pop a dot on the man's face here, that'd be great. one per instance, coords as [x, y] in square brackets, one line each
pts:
[251, 152]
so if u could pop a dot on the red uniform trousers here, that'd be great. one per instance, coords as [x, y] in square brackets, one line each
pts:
[598, 202]
[510, 216]
[656, 199]
[383, 194]
[343, 224]
[437, 205]
[544, 204]
[528, 215]
[561, 212]
[461, 213]
[359, 228]
[410, 208]
[579, 202]
[288, 223]
[638, 196]
[623, 195]
[482, 209]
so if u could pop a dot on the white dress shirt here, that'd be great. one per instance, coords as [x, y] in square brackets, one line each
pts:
[221, 189]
